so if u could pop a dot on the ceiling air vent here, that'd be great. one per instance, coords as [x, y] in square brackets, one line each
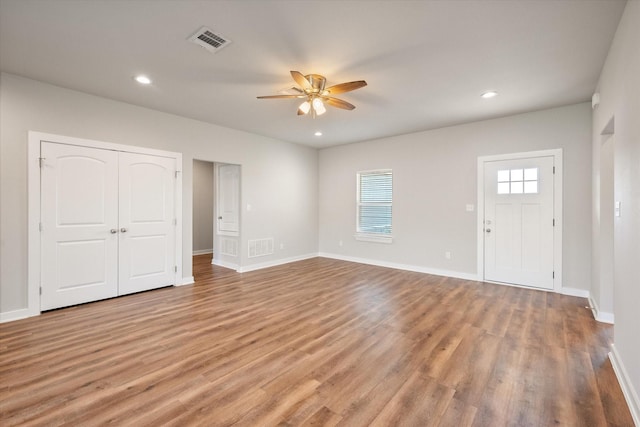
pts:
[209, 40]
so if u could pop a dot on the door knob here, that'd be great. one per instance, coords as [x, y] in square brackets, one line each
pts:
[488, 230]
[219, 217]
[123, 230]
[113, 231]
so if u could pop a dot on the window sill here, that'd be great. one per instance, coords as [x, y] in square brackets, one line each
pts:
[375, 238]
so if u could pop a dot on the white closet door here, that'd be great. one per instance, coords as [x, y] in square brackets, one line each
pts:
[147, 229]
[79, 217]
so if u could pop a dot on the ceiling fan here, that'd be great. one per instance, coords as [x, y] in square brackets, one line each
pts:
[315, 95]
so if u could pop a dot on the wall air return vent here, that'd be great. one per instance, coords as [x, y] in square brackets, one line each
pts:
[209, 40]
[260, 247]
[228, 247]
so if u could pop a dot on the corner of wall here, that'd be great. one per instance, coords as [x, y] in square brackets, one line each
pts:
[599, 315]
[630, 394]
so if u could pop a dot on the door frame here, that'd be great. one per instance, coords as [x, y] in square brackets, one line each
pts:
[33, 205]
[557, 209]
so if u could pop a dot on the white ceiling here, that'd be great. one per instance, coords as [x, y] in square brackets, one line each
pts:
[426, 62]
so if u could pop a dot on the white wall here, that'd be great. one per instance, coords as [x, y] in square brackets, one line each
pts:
[202, 206]
[279, 179]
[619, 89]
[434, 178]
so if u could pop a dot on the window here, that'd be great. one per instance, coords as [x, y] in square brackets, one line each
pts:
[374, 205]
[518, 181]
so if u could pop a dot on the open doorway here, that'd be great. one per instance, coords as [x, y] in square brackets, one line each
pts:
[606, 229]
[216, 214]
[203, 208]
[603, 267]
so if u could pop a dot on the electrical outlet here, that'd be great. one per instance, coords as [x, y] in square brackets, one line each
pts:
[447, 255]
[281, 246]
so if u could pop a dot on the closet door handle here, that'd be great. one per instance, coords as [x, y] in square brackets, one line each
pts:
[123, 230]
[113, 231]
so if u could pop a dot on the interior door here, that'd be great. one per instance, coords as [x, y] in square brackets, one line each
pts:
[229, 199]
[147, 222]
[79, 217]
[518, 221]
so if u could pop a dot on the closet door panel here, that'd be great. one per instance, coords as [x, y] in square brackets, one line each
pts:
[79, 216]
[147, 228]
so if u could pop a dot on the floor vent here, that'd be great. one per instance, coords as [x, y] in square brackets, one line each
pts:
[209, 40]
[260, 247]
[228, 247]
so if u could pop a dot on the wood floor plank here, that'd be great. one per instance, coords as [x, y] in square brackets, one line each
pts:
[498, 394]
[362, 410]
[460, 414]
[421, 401]
[322, 417]
[557, 383]
[315, 342]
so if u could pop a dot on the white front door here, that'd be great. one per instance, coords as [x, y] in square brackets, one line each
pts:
[79, 238]
[228, 199]
[147, 227]
[518, 221]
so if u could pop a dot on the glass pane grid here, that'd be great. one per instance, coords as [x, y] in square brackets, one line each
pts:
[518, 181]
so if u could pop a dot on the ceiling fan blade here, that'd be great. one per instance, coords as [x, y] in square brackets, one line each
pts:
[339, 103]
[345, 87]
[301, 80]
[281, 96]
[301, 113]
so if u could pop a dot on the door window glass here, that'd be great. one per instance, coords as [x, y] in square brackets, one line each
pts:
[518, 181]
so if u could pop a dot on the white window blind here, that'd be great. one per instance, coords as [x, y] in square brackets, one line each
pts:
[375, 196]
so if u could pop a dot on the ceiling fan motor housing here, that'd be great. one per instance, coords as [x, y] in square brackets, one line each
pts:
[317, 83]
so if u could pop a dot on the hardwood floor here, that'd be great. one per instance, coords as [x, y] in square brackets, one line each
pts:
[316, 342]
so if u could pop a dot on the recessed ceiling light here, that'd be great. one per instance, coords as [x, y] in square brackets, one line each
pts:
[143, 80]
[318, 133]
[489, 94]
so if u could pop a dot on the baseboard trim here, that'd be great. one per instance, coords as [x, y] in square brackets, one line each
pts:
[186, 281]
[575, 292]
[630, 394]
[600, 316]
[225, 264]
[10, 316]
[275, 263]
[407, 267]
[202, 252]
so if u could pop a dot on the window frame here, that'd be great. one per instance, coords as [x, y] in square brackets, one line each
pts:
[367, 236]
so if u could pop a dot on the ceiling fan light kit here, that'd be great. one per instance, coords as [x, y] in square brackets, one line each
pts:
[312, 90]
[318, 106]
[304, 108]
